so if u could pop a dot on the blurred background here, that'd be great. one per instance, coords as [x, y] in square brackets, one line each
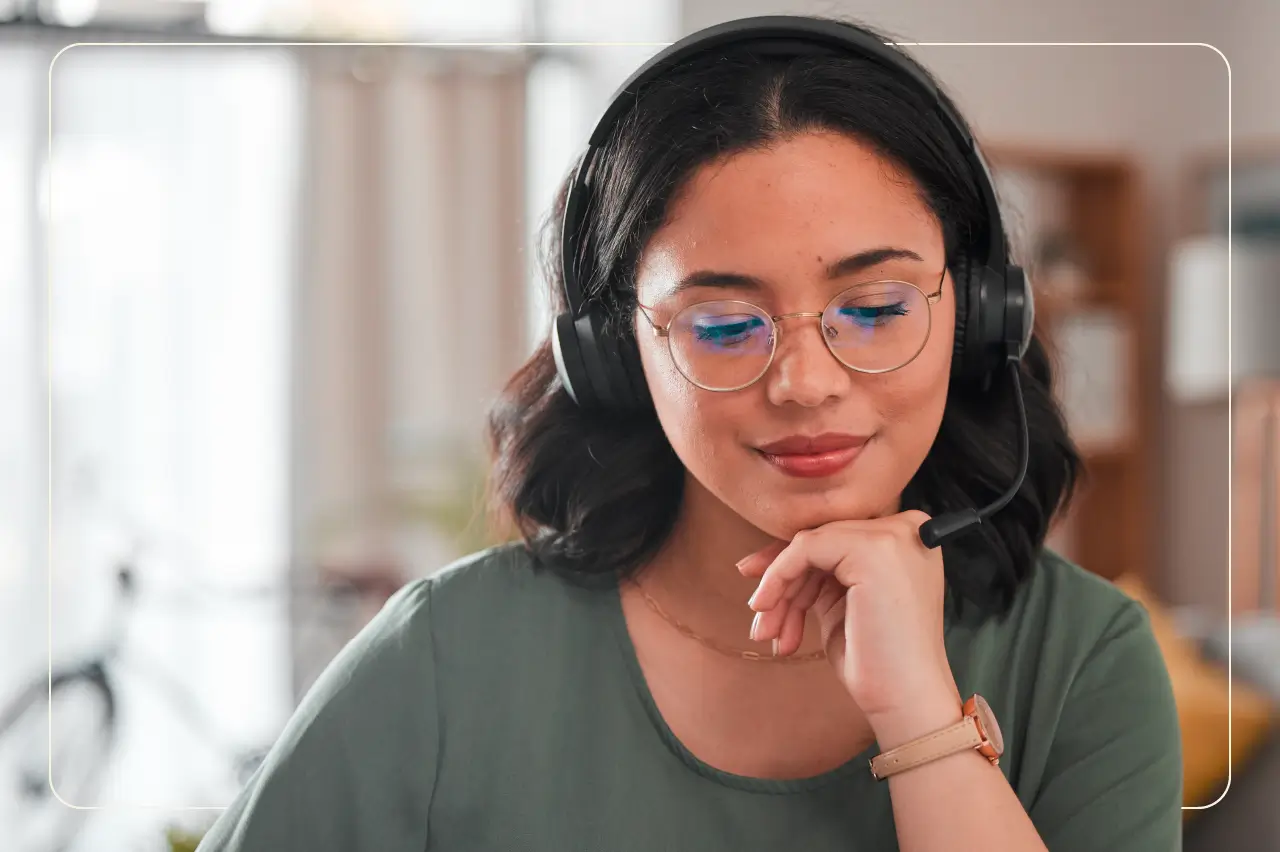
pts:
[255, 298]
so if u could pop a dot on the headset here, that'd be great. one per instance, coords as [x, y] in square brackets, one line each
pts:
[598, 362]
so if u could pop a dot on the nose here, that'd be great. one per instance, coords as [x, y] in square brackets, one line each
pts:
[804, 371]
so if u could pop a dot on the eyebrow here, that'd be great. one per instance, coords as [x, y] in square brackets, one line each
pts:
[837, 269]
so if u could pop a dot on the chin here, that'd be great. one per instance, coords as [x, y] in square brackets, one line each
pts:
[784, 515]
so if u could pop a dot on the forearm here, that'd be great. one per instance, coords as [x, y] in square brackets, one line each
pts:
[957, 802]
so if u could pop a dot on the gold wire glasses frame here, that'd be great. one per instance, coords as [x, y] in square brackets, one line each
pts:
[664, 331]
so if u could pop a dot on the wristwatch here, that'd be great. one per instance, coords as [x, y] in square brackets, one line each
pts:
[978, 730]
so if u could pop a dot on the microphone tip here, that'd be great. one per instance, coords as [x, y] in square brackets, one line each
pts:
[935, 531]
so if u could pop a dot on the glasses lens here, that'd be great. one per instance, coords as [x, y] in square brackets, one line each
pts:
[878, 326]
[722, 345]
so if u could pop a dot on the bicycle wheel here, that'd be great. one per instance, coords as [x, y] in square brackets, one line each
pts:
[83, 716]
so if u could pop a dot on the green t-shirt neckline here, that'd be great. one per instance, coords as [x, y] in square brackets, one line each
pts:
[860, 763]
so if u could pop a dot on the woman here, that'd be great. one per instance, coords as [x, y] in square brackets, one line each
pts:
[722, 608]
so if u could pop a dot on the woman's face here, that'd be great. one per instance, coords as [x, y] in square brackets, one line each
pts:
[771, 224]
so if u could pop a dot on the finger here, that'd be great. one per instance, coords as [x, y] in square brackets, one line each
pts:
[771, 621]
[837, 551]
[814, 583]
[914, 518]
[829, 595]
[792, 635]
[793, 588]
[754, 565]
[832, 606]
[792, 632]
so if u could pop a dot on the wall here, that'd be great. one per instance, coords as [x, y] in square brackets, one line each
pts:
[1248, 38]
[1161, 104]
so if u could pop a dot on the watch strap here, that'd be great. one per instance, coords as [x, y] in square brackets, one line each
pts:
[950, 740]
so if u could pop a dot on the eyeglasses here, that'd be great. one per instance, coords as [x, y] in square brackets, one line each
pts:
[727, 344]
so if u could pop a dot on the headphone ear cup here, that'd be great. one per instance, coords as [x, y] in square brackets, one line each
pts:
[605, 347]
[966, 301]
[588, 332]
[987, 307]
[598, 368]
[569, 364]
[1020, 313]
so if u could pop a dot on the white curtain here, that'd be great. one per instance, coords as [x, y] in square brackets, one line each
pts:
[412, 304]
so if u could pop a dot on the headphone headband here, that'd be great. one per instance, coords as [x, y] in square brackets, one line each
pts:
[600, 368]
[781, 36]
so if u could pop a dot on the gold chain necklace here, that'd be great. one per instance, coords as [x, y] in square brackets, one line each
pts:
[753, 656]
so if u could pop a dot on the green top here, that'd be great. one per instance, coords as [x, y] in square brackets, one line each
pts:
[495, 707]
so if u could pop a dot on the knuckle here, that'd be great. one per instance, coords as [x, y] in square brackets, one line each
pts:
[883, 547]
[883, 538]
[913, 518]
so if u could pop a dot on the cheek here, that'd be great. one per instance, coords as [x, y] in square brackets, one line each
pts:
[669, 389]
[911, 400]
[911, 409]
[698, 423]
[677, 402]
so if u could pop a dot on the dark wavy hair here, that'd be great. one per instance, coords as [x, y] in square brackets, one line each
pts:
[595, 496]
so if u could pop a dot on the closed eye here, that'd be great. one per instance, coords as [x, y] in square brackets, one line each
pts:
[874, 314]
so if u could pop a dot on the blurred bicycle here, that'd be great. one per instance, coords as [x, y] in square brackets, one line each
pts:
[80, 699]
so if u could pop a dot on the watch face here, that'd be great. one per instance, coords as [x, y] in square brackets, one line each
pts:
[990, 726]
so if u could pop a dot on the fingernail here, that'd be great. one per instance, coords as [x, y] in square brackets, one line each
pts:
[755, 626]
[751, 601]
[775, 647]
[741, 562]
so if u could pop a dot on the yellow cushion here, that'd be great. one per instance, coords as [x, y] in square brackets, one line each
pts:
[1200, 691]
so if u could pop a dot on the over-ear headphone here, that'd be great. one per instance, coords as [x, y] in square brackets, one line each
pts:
[599, 362]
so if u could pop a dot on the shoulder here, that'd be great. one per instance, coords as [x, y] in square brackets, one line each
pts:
[357, 764]
[488, 609]
[499, 578]
[499, 570]
[1114, 629]
[503, 580]
[473, 615]
[1074, 649]
[1075, 607]
[1099, 745]
[425, 618]
[1066, 628]
[1058, 582]
[1071, 645]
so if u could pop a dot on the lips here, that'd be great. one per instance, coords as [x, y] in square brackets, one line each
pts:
[803, 445]
[813, 456]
